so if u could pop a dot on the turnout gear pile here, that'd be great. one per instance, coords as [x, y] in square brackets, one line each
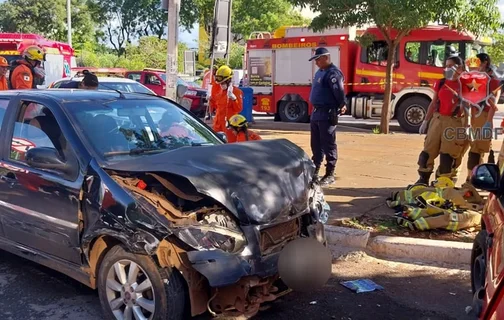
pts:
[439, 206]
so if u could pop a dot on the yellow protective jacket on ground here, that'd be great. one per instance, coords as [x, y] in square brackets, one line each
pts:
[466, 197]
[443, 207]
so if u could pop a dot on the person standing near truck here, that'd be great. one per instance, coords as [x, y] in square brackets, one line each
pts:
[328, 99]
[483, 124]
[228, 99]
[444, 116]
[28, 72]
[4, 67]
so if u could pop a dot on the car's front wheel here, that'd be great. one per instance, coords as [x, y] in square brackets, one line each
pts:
[132, 286]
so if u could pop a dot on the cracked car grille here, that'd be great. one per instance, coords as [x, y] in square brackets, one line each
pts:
[273, 237]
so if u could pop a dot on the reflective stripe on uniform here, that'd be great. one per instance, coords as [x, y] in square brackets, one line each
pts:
[408, 196]
[453, 224]
[421, 224]
[413, 213]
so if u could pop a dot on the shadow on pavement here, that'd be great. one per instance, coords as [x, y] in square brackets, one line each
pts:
[303, 127]
[355, 202]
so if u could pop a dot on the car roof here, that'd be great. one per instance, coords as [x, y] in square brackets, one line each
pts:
[101, 79]
[76, 95]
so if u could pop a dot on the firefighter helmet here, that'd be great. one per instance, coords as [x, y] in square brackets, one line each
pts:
[34, 53]
[3, 62]
[223, 74]
[443, 182]
[237, 122]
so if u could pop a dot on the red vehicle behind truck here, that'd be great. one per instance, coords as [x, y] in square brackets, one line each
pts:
[280, 74]
[155, 79]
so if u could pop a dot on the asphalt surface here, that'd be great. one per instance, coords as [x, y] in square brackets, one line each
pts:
[29, 291]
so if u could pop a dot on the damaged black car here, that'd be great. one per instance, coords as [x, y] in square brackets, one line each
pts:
[133, 196]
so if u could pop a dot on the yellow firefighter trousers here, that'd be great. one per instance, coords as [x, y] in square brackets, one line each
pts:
[478, 145]
[442, 137]
[426, 219]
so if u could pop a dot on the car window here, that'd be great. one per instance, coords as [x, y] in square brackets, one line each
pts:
[3, 109]
[36, 127]
[125, 87]
[131, 128]
[135, 76]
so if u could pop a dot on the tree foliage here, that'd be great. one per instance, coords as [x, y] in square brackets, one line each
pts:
[247, 15]
[496, 51]
[47, 18]
[396, 18]
[126, 20]
[149, 53]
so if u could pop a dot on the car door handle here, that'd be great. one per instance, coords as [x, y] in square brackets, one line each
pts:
[9, 178]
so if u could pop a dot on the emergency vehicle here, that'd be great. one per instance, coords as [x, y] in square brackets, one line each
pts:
[280, 74]
[60, 57]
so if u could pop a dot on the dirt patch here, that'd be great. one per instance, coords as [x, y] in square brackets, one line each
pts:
[387, 226]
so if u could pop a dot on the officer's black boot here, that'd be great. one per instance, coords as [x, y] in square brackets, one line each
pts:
[328, 178]
[424, 177]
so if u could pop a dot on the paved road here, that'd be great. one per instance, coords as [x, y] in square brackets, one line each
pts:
[28, 291]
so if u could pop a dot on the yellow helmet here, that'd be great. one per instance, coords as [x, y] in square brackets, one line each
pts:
[237, 121]
[443, 182]
[224, 73]
[35, 53]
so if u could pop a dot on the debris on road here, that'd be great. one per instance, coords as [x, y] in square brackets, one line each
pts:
[361, 285]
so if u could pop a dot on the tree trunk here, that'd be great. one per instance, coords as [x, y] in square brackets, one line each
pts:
[385, 114]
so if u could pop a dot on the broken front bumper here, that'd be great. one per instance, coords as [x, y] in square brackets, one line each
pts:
[259, 258]
[241, 282]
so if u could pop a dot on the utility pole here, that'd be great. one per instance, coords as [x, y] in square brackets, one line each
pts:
[69, 21]
[171, 61]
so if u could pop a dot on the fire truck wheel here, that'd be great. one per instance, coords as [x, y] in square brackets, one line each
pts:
[293, 111]
[411, 112]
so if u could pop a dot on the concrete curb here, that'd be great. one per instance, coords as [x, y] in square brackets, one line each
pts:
[425, 250]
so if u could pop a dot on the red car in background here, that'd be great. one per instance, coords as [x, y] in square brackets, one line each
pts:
[155, 80]
[487, 258]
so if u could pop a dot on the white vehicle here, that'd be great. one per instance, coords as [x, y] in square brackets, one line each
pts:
[105, 83]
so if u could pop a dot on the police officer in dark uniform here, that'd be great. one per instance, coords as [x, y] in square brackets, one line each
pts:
[328, 99]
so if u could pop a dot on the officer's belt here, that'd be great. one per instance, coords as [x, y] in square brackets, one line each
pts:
[323, 107]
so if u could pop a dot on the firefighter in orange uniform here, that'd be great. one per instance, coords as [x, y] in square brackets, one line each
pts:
[4, 66]
[28, 72]
[228, 99]
[238, 126]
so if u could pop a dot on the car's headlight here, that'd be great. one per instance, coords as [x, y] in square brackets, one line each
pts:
[211, 237]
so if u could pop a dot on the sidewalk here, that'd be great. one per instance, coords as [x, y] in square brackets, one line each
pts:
[370, 167]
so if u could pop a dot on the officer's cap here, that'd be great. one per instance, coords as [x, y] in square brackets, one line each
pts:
[319, 52]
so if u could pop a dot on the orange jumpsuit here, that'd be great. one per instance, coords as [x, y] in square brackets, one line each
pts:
[3, 83]
[213, 93]
[22, 77]
[241, 137]
[226, 108]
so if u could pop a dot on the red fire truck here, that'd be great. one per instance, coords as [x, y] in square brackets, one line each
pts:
[60, 57]
[280, 74]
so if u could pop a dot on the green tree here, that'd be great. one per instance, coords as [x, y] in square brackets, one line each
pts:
[396, 18]
[47, 18]
[236, 56]
[496, 51]
[246, 16]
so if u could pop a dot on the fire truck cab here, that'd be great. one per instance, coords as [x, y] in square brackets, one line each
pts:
[280, 74]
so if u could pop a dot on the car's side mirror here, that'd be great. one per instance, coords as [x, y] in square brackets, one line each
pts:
[48, 159]
[222, 136]
[181, 90]
[486, 177]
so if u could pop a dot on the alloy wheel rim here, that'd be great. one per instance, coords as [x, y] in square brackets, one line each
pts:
[129, 291]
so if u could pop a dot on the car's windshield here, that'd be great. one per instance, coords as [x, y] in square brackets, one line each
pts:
[121, 129]
[125, 87]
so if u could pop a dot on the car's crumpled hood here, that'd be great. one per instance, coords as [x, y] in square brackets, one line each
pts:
[270, 178]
